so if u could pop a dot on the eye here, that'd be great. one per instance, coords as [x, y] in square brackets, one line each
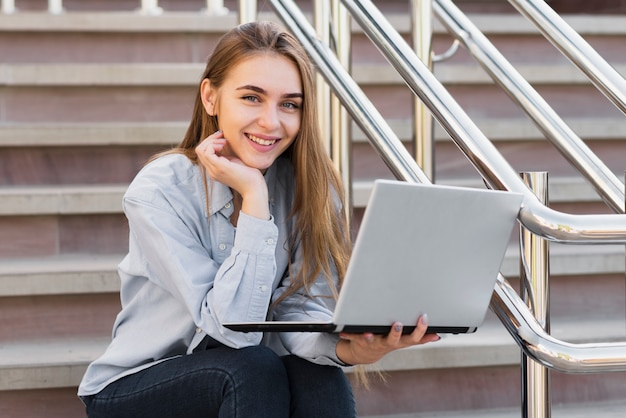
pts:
[291, 105]
[251, 98]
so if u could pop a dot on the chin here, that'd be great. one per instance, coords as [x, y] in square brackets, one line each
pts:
[264, 165]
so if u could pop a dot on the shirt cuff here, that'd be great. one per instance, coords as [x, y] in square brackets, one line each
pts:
[254, 235]
[329, 346]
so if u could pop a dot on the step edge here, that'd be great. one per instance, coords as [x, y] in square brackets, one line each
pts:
[23, 363]
[61, 275]
[98, 274]
[189, 74]
[61, 199]
[499, 130]
[199, 22]
[600, 409]
[107, 199]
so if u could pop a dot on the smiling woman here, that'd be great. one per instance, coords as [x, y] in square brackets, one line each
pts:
[243, 221]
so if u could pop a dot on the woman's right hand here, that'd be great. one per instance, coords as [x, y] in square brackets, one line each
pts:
[231, 171]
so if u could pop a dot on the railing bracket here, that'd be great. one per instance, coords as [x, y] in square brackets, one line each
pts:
[449, 53]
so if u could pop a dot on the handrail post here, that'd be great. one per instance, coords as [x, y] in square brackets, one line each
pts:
[216, 8]
[8, 7]
[423, 138]
[150, 7]
[322, 89]
[332, 25]
[536, 294]
[55, 7]
[341, 151]
[248, 11]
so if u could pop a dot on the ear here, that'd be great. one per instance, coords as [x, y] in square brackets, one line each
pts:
[208, 96]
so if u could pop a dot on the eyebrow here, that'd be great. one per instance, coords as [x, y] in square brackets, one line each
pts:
[262, 91]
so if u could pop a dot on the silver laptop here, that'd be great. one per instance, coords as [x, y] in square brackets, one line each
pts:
[420, 248]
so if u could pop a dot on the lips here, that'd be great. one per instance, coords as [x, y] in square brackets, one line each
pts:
[261, 141]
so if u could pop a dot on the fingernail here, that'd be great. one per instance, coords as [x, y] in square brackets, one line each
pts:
[425, 319]
[219, 131]
[397, 327]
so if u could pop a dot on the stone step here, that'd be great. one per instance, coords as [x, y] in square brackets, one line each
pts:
[48, 221]
[97, 103]
[84, 37]
[76, 274]
[608, 409]
[107, 198]
[129, 96]
[97, 273]
[47, 364]
[156, 103]
[132, 134]
[84, 220]
[76, 296]
[60, 363]
[189, 21]
[188, 74]
[63, 152]
[60, 153]
[119, 21]
[61, 200]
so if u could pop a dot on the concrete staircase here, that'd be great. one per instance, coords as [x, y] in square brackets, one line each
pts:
[87, 96]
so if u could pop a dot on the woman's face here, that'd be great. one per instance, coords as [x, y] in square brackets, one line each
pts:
[258, 108]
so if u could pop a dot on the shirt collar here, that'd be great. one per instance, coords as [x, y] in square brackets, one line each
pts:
[220, 195]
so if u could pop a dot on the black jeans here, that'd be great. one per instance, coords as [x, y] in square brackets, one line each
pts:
[222, 382]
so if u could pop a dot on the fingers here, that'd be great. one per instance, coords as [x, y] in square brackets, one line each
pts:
[420, 329]
[395, 335]
[419, 335]
[211, 145]
[209, 153]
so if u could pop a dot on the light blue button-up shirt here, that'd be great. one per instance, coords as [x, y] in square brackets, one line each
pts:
[188, 271]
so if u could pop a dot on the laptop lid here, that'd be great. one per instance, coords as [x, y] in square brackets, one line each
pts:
[420, 248]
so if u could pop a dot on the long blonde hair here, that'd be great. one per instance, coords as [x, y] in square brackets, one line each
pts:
[321, 226]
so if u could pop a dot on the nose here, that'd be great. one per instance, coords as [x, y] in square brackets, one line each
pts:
[269, 117]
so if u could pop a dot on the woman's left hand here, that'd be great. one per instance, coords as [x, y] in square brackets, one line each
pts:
[368, 348]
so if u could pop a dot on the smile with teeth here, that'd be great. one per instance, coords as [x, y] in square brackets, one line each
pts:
[260, 141]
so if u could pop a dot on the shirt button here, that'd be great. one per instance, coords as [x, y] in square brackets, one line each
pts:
[228, 205]
[198, 330]
[270, 241]
[222, 247]
[263, 288]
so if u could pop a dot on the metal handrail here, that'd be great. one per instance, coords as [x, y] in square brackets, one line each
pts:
[361, 109]
[539, 219]
[506, 303]
[547, 350]
[576, 49]
[609, 186]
